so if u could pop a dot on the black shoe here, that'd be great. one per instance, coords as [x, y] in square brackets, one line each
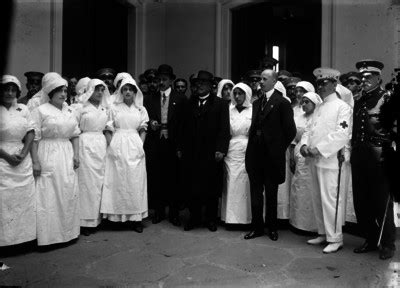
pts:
[137, 227]
[366, 247]
[273, 235]
[212, 226]
[175, 221]
[386, 253]
[253, 234]
[85, 231]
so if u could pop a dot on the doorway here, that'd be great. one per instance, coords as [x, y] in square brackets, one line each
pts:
[95, 35]
[293, 28]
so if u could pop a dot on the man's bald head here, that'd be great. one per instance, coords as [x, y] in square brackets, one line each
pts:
[268, 79]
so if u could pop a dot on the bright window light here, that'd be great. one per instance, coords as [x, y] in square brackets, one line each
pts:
[275, 54]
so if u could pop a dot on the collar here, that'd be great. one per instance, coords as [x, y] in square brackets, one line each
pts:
[204, 97]
[269, 93]
[166, 92]
[330, 97]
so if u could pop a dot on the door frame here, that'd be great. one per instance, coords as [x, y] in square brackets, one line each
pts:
[223, 34]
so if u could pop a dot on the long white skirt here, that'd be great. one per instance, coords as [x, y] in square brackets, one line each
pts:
[57, 193]
[236, 200]
[284, 191]
[125, 184]
[301, 207]
[92, 155]
[17, 199]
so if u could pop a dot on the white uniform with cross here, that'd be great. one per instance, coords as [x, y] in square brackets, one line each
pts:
[328, 131]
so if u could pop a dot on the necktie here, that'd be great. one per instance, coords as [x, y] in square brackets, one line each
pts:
[264, 102]
[201, 102]
[164, 98]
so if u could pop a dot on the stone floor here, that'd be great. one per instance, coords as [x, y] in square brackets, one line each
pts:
[164, 256]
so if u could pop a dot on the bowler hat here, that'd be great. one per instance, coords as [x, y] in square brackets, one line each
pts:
[103, 72]
[165, 69]
[202, 76]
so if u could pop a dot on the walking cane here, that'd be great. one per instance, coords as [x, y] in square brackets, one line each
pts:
[383, 221]
[340, 162]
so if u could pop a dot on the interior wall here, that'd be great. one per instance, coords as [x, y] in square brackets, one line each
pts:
[181, 35]
[366, 29]
[29, 48]
[190, 37]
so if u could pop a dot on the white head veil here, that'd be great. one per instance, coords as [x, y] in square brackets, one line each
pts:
[11, 79]
[221, 85]
[121, 76]
[91, 86]
[80, 87]
[306, 86]
[314, 97]
[50, 77]
[50, 84]
[345, 94]
[138, 99]
[279, 86]
[247, 90]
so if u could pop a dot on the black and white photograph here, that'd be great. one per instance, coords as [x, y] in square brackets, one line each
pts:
[199, 143]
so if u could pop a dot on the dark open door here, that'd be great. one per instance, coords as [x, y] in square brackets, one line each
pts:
[293, 26]
[95, 35]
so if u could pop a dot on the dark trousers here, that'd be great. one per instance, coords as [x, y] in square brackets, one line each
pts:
[165, 186]
[260, 181]
[371, 194]
[211, 209]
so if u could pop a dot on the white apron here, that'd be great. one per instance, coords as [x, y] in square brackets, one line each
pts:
[301, 208]
[17, 185]
[57, 186]
[236, 205]
[125, 185]
[92, 156]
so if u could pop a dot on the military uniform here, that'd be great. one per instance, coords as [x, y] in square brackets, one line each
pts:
[329, 133]
[370, 184]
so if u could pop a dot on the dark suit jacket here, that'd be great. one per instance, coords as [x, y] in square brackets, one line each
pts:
[278, 129]
[205, 131]
[152, 104]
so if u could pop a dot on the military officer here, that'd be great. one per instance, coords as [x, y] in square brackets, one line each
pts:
[253, 78]
[372, 199]
[33, 85]
[323, 140]
[352, 81]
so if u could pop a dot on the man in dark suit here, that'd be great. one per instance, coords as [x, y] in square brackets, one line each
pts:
[271, 131]
[204, 142]
[165, 113]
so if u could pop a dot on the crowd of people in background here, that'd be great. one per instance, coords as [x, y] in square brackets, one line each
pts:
[75, 152]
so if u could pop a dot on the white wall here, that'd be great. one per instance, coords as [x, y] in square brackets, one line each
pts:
[365, 29]
[181, 35]
[29, 47]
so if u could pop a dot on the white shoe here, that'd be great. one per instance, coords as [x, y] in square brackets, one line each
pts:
[317, 241]
[333, 247]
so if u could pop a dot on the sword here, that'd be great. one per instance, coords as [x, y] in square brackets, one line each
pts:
[384, 219]
[340, 162]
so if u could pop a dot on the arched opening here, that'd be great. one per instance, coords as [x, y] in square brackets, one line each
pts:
[292, 27]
